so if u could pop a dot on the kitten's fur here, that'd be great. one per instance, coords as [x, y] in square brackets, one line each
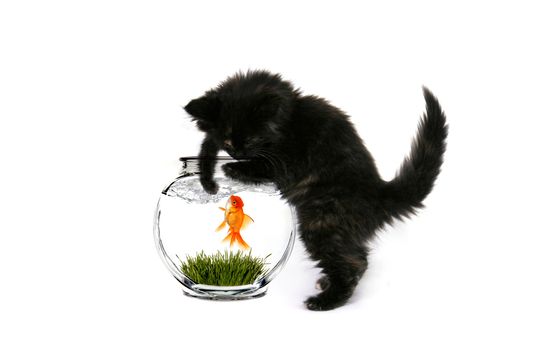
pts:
[311, 151]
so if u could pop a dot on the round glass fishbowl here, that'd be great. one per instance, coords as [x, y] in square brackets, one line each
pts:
[222, 246]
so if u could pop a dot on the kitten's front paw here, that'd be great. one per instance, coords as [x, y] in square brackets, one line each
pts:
[232, 171]
[210, 186]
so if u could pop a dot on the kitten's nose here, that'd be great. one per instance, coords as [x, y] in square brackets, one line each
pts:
[228, 144]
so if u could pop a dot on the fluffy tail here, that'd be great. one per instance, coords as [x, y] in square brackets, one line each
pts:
[404, 194]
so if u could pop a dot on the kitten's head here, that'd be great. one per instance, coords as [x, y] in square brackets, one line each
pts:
[246, 113]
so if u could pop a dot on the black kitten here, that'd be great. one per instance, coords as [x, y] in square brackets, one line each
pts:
[311, 151]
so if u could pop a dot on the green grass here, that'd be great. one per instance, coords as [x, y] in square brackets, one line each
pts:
[224, 269]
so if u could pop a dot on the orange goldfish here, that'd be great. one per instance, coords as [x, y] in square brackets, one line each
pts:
[236, 219]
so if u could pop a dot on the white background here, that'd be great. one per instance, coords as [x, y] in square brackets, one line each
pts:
[91, 96]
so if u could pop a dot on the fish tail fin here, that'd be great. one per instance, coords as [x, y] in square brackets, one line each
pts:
[241, 243]
[235, 237]
[228, 238]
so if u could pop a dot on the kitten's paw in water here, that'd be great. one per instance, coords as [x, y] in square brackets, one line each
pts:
[210, 186]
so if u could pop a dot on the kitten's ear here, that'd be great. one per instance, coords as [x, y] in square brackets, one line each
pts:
[204, 110]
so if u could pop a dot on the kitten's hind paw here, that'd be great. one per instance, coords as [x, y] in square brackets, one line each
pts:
[210, 186]
[323, 283]
[328, 299]
[318, 303]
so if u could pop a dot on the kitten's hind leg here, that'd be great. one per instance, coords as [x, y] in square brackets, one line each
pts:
[342, 268]
[338, 285]
[322, 283]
